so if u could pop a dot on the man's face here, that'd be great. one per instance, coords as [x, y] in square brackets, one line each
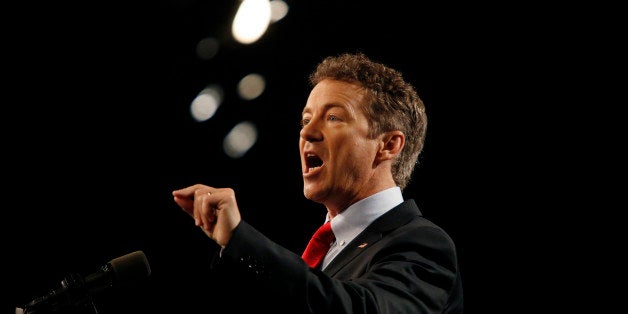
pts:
[337, 156]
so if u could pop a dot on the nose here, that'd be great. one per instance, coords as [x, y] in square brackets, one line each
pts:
[311, 132]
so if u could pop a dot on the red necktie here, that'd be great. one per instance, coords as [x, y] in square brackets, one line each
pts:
[319, 245]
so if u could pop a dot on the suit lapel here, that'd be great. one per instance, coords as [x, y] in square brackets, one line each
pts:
[394, 218]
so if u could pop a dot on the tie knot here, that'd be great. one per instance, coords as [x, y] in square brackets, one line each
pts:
[324, 233]
[319, 245]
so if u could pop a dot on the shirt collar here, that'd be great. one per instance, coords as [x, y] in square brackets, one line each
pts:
[348, 224]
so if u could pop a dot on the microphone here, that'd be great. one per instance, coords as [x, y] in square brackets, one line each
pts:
[76, 290]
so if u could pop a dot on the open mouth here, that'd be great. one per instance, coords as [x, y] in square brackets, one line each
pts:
[312, 162]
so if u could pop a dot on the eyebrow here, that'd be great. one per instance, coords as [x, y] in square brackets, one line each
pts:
[325, 107]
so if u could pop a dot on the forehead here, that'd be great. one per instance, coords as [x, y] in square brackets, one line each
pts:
[332, 93]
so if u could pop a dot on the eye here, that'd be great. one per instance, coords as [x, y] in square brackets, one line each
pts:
[332, 117]
[304, 122]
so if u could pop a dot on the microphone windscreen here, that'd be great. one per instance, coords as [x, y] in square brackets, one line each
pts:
[130, 267]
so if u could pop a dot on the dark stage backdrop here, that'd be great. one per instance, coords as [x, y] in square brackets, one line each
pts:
[97, 133]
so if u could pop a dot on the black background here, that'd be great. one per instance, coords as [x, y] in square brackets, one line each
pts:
[97, 134]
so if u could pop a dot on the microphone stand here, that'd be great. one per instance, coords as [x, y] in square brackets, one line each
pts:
[72, 298]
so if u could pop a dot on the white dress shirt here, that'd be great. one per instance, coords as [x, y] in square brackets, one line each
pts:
[353, 220]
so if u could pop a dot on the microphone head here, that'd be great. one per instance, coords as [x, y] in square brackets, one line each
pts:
[130, 267]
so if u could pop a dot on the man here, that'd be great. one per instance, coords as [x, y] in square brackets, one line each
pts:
[363, 128]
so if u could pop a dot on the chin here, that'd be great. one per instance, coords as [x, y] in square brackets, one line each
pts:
[307, 194]
[311, 194]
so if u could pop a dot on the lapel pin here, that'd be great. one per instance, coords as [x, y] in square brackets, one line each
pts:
[363, 245]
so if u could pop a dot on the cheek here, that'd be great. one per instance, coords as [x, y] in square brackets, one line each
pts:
[355, 160]
[363, 149]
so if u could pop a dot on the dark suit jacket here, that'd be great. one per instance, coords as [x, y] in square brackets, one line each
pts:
[402, 263]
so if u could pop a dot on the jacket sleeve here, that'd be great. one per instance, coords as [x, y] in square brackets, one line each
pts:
[261, 275]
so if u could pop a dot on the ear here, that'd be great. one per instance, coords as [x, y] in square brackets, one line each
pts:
[391, 144]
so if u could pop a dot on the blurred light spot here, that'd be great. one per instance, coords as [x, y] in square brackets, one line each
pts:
[207, 48]
[251, 20]
[240, 139]
[206, 103]
[278, 10]
[251, 86]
